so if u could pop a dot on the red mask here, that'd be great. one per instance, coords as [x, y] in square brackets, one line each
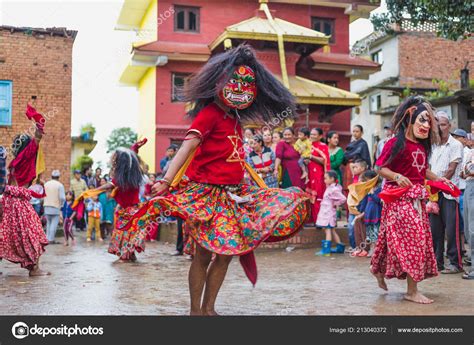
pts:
[240, 91]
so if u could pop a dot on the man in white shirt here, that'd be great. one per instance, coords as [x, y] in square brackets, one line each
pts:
[53, 202]
[445, 162]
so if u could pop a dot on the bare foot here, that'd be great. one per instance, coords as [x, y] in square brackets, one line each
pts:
[417, 298]
[101, 240]
[381, 280]
[195, 313]
[209, 313]
[73, 242]
[38, 272]
[65, 244]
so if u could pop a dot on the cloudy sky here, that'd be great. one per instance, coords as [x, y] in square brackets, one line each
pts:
[99, 56]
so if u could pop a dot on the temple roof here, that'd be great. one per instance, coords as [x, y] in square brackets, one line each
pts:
[343, 60]
[176, 50]
[311, 92]
[257, 28]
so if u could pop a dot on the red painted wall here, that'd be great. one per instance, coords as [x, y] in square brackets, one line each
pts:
[214, 17]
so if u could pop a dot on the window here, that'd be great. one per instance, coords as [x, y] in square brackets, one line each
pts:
[324, 25]
[328, 82]
[5, 103]
[178, 80]
[375, 102]
[377, 57]
[186, 18]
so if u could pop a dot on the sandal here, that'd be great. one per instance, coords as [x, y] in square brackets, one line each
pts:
[362, 254]
[355, 253]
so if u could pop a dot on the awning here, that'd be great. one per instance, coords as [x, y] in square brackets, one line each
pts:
[257, 28]
[308, 91]
[132, 13]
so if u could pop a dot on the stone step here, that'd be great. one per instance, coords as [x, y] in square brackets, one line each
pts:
[308, 237]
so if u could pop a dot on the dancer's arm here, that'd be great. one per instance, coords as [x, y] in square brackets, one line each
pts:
[432, 176]
[390, 175]
[190, 143]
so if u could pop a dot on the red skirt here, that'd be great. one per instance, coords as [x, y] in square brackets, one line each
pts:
[405, 244]
[23, 236]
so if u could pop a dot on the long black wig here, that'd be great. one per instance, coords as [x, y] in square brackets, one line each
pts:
[272, 97]
[404, 118]
[126, 169]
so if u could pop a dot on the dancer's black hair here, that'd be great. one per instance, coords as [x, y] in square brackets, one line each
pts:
[404, 118]
[19, 143]
[272, 97]
[126, 168]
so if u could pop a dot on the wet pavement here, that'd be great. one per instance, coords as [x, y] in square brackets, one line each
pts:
[86, 280]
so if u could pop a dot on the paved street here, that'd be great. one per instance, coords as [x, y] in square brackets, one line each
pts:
[88, 281]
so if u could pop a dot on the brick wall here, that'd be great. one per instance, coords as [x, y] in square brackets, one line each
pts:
[41, 66]
[423, 56]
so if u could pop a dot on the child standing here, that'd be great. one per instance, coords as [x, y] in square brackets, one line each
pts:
[368, 221]
[303, 145]
[94, 212]
[108, 204]
[357, 168]
[332, 198]
[67, 217]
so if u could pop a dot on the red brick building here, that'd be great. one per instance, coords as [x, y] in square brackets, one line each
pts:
[316, 65]
[413, 60]
[36, 67]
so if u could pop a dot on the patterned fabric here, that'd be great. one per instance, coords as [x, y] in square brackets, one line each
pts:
[304, 147]
[3, 169]
[125, 243]
[266, 159]
[23, 237]
[405, 245]
[316, 185]
[219, 223]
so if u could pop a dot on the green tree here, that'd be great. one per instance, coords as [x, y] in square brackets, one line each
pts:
[82, 162]
[453, 18]
[121, 137]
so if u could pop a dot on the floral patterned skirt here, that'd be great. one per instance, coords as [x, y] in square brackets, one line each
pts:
[124, 243]
[22, 238]
[404, 244]
[226, 223]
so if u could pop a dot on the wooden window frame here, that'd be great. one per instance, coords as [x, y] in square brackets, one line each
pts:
[332, 22]
[187, 10]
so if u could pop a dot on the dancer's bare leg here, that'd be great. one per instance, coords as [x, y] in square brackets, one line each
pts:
[197, 278]
[413, 295]
[214, 280]
[35, 271]
[381, 280]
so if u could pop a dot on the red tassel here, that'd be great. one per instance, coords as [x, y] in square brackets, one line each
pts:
[250, 266]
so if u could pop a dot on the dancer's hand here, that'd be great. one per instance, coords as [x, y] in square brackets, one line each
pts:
[403, 181]
[159, 188]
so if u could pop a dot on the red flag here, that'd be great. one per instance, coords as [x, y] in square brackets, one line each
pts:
[32, 114]
[135, 147]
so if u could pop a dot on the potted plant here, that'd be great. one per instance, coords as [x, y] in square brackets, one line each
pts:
[87, 132]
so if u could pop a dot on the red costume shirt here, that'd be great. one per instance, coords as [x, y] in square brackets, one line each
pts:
[411, 162]
[220, 157]
[126, 198]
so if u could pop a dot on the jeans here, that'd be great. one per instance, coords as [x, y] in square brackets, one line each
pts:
[351, 231]
[52, 221]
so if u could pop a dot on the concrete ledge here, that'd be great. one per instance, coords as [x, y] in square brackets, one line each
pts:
[306, 238]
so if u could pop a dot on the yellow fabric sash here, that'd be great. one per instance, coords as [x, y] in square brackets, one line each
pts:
[357, 192]
[87, 194]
